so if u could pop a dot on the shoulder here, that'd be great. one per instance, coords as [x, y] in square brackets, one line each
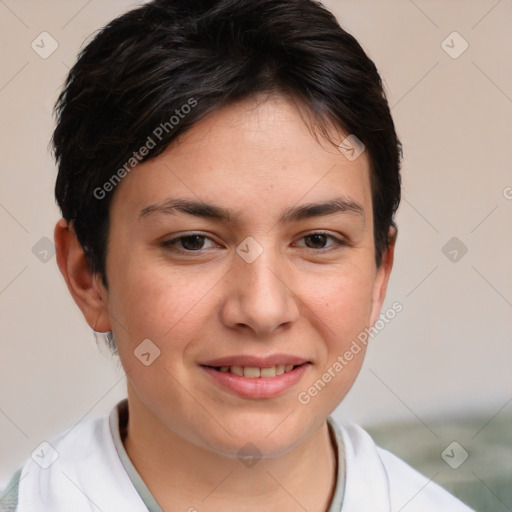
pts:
[79, 441]
[76, 468]
[390, 478]
[419, 492]
[35, 483]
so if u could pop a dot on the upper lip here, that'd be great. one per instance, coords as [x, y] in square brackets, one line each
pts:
[256, 361]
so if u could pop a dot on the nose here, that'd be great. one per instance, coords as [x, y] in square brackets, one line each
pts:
[260, 297]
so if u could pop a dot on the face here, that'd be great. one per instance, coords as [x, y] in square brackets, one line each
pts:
[246, 245]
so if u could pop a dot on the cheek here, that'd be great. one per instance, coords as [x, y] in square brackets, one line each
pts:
[342, 302]
[153, 302]
[340, 310]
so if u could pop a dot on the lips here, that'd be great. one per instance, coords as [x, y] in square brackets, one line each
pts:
[253, 367]
[257, 377]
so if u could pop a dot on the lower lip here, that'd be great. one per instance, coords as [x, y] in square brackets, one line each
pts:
[259, 387]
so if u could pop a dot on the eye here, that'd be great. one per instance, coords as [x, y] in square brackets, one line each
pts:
[319, 241]
[189, 243]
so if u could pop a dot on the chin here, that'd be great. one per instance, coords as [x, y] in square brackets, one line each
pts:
[269, 435]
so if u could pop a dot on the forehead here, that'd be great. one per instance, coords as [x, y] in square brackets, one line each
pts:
[252, 157]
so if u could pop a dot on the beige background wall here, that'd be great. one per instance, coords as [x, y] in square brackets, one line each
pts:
[448, 352]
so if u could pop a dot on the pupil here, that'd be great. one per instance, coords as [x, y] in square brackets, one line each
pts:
[192, 242]
[318, 241]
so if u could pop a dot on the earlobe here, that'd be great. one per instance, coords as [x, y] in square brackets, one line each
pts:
[85, 287]
[382, 276]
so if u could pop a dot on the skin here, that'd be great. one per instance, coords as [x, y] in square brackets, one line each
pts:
[303, 296]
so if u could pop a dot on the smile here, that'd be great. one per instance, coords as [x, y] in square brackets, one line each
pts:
[254, 372]
[256, 378]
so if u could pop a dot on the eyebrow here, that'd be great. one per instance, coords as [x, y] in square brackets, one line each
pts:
[171, 206]
[336, 205]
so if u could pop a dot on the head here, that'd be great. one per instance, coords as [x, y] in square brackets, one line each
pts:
[213, 205]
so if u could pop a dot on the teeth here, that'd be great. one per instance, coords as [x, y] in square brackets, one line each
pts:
[237, 370]
[268, 372]
[253, 372]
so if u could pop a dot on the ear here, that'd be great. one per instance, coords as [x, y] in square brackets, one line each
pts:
[382, 276]
[85, 287]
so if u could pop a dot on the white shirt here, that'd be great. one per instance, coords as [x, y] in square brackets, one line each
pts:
[93, 472]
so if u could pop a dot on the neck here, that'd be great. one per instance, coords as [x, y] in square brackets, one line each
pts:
[184, 476]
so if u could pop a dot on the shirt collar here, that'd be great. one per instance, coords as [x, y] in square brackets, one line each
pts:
[118, 426]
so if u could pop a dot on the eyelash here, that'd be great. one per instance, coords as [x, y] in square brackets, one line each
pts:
[172, 243]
